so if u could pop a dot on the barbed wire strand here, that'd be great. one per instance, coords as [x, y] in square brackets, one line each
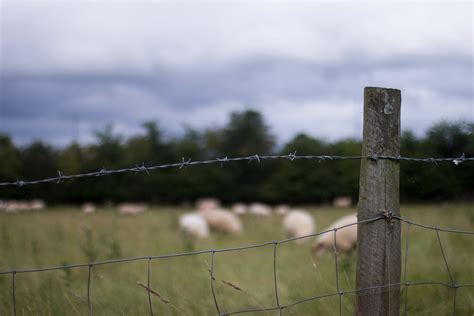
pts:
[388, 217]
[61, 177]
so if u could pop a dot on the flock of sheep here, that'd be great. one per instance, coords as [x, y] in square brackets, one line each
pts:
[209, 215]
[14, 206]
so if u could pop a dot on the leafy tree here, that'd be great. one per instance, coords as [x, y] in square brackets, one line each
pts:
[38, 161]
[301, 181]
[10, 159]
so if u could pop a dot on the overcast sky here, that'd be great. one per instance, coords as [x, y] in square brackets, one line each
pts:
[68, 69]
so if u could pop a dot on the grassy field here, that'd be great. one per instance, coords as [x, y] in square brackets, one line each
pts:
[64, 236]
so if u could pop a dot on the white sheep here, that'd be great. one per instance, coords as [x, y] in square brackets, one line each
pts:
[88, 208]
[131, 208]
[239, 208]
[346, 238]
[14, 206]
[207, 204]
[194, 224]
[282, 209]
[260, 210]
[222, 220]
[37, 204]
[298, 223]
[342, 201]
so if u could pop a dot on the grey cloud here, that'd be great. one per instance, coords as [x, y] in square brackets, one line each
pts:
[171, 96]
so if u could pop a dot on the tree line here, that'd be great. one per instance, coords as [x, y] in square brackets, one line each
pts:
[279, 181]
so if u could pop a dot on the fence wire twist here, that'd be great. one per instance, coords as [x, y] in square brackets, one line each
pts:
[141, 168]
[385, 216]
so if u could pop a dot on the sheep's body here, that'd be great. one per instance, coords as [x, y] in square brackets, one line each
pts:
[260, 210]
[88, 208]
[207, 204]
[222, 220]
[239, 208]
[282, 209]
[131, 208]
[14, 206]
[299, 223]
[342, 201]
[37, 205]
[346, 238]
[194, 224]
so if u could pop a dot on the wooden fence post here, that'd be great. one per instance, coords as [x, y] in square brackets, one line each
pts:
[379, 242]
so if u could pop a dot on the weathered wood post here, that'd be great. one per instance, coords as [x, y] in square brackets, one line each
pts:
[378, 245]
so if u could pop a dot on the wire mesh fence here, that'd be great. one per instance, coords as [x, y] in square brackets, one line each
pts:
[278, 306]
[386, 216]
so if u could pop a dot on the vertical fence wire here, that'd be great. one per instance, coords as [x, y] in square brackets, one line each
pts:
[211, 272]
[148, 285]
[405, 269]
[444, 257]
[388, 244]
[13, 293]
[89, 303]
[454, 301]
[275, 243]
[336, 263]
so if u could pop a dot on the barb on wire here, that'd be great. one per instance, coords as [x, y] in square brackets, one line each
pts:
[292, 156]
[185, 163]
[141, 168]
[223, 160]
[60, 177]
[101, 172]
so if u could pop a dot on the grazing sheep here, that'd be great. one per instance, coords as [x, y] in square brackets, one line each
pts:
[342, 201]
[88, 208]
[222, 220]
[239, 208]
[346, 238]
[282, 209]
[299, 223]
[260, 210]
[131, 208]
[194, 224]
[207, 204]
[14, 206]
[37, 204]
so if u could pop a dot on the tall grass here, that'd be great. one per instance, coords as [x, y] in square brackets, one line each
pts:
[243, 279]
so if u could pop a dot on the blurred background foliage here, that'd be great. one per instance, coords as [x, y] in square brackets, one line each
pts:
[279, 181]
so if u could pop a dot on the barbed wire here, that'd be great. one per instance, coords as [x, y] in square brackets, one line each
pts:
[387, 217]
[61, 177]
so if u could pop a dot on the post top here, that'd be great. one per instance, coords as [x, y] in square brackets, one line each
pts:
[381, 88]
